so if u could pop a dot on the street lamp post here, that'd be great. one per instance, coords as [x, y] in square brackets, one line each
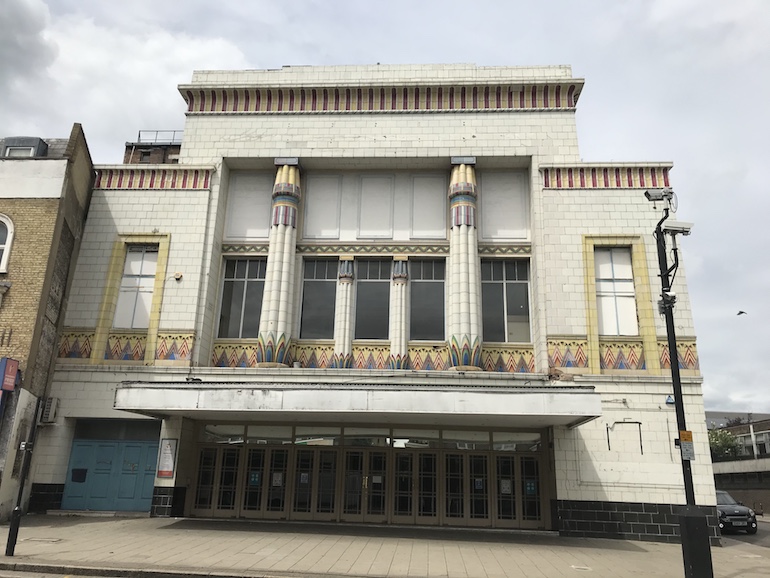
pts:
[693, 526]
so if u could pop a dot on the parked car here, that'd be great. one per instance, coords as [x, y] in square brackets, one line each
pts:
[733, 515]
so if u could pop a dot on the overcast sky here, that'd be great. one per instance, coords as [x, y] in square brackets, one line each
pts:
[680, 80]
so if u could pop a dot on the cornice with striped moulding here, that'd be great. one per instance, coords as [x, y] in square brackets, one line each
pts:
[153, 177]
[382, 99]
[606, 176]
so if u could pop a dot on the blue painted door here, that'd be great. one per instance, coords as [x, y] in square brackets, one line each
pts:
[110, 476]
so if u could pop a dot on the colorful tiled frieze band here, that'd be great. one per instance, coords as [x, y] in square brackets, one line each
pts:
[169, 177]
[174, 347]
[125, 347]
[371, 356]
[313, 355]
[568, 353]
[429, 358]
[381, 99]
[234, 354]
[621, 355]
[76, 344]
[508, 358]
[688, 355]
[606, 176]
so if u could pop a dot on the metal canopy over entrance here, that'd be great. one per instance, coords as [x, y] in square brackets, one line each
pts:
[527, 406]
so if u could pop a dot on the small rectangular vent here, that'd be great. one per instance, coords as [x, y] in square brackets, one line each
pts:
[49, 410]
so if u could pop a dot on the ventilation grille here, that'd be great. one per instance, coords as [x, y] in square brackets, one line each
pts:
[49, 410]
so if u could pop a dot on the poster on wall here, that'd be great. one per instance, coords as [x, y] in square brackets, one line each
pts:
[167, 458]
[505, 487]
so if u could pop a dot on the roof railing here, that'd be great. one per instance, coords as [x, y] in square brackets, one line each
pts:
[160, 136]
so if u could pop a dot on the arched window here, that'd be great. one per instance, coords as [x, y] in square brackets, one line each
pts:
[6, 238]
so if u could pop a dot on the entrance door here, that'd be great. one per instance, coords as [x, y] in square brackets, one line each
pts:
[467, 494]
[365, 486]
[216, 493]
[315, 484]
[518, 492]
[264, 483]
[531, 492]
[415, 490]
[110, 476]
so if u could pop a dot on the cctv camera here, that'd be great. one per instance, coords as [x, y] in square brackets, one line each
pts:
[654, 195]
[677, 227]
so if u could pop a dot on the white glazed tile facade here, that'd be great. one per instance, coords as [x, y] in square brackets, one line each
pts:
[596, 461]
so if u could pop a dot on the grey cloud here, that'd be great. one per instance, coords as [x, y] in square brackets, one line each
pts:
[25, 52]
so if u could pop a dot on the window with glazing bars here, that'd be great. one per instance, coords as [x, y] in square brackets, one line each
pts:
[132, 310]
[242, 288]
[372, 298]
[615, 297]
[505, 300]
[426, 298]
[319, 291]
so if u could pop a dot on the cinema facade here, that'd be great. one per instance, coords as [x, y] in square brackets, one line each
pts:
[386, 294]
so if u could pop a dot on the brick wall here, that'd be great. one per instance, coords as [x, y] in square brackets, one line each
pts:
[150, 154]
[34, 223]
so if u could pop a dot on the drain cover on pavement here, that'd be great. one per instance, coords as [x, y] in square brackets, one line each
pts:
[49, 540]
[581, 568]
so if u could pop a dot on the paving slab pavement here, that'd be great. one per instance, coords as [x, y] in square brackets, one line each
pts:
[161, 547]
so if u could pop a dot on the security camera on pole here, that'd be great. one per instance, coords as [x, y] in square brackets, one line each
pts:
[693, 526]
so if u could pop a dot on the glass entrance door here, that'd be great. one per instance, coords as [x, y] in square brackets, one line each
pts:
[315, 484]
[264, 492]
[416, 487]
[365, 486]
[518, 493]
[216, 492]
[466, 493]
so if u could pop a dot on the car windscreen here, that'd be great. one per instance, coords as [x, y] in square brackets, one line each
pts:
[725, 499]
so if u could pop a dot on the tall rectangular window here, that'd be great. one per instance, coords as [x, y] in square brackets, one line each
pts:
[136, 287]
[426, 298]
[372, 298]
[243, 286]
[319, 293]
[615, 298]
[505, 300]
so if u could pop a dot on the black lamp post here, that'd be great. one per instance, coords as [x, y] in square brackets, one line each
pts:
[26, 448]
[693, 526]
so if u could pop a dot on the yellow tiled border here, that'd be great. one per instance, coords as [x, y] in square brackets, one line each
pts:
[642, 288]
[112, 288]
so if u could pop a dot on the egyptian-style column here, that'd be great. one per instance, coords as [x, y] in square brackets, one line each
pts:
[464, 271]
[399, 355]
[343, 312]
[275, 321]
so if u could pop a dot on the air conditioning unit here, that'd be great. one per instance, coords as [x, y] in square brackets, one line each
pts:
[49, 410]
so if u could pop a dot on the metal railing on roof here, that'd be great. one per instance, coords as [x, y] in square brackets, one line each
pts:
[160, 137]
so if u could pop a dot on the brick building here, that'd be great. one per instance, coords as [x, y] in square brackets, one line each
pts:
[154, 147]
[387, 294]
[45, 188]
